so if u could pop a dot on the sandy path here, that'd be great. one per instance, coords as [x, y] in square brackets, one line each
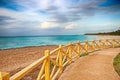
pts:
[96, 66]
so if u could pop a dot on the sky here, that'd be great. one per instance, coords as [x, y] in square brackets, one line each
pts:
[58, 17]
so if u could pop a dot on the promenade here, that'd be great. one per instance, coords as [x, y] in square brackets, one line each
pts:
[96, 66]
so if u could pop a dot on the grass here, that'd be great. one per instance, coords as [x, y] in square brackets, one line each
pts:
[116, 64]
[85, 54]
[51, 64]
[117, 46]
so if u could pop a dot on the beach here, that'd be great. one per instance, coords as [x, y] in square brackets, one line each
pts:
[108, 37]
[13, 60]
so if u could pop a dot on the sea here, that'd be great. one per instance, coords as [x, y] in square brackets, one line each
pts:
[26, 41]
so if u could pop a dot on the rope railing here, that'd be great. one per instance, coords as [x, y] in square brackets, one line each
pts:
[53, 62]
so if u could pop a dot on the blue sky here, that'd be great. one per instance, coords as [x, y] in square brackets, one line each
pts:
[58, 17]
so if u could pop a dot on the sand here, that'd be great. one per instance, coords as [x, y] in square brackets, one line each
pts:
[13, 60]
[106, 36]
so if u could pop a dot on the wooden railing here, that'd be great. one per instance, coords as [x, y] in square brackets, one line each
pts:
[52, 64]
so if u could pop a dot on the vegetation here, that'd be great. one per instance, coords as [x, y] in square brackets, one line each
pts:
[117, 32]
[116, 64]
[84, 54]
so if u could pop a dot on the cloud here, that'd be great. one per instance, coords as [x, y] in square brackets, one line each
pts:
[19, 19]
[48, 25]
[5, 20]
[2, 18]
[85, 8]
[58, 11]
[70, 26]
[71, 13]
[32, 15]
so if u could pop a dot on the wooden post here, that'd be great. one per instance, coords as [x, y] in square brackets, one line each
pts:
[86, 45]
[70, 52]
[60, 59]
[93, 45]
[106, 43]
[47, 65]
[0, 75]
[78, 48]
[4, 76]
[113, 43]
[99, 42]
[103, 44]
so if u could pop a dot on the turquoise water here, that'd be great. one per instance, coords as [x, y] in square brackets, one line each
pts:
[17, 42]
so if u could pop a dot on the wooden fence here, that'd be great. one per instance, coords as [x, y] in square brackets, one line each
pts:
[53, 62]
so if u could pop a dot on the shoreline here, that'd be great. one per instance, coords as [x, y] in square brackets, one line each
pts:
[106, 36]
[99, 35]
[26, 47]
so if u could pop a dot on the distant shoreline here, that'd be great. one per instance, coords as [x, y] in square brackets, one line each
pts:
[117, 32]
[106, 36]
[100, 35]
